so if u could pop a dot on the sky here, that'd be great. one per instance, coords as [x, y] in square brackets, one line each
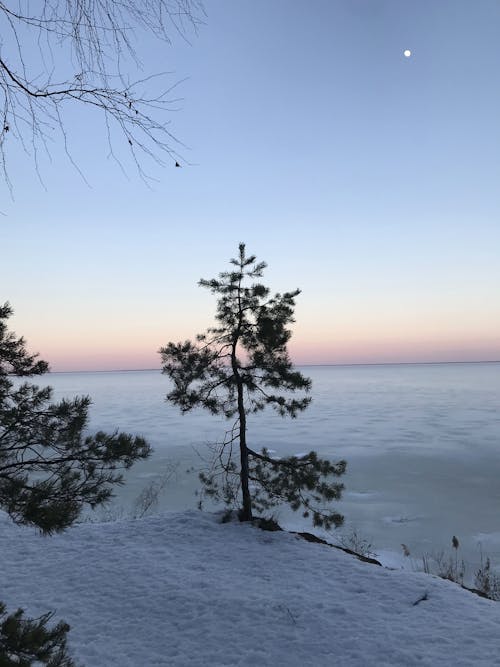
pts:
[366, 179]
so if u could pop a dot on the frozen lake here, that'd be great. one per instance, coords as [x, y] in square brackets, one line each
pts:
[422, 443]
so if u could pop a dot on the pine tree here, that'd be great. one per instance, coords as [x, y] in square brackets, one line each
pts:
[48, 468]
[26, 641]
[238, 368]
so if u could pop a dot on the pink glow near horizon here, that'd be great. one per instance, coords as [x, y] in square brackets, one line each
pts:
[343, 352]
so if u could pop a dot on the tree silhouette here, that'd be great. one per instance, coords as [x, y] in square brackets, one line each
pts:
[28, 641]
[239, 367]
[63, 53]
[49, 468]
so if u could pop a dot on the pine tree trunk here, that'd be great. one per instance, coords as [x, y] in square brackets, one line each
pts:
[246, 512]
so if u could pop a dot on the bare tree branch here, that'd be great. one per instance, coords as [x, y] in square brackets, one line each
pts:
[81, 52]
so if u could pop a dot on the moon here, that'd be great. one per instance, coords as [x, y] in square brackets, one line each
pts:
[407, 53]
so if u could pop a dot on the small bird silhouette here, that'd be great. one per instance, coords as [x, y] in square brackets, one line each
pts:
[177, 164]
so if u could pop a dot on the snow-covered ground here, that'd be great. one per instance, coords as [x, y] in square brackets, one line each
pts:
[182, 589]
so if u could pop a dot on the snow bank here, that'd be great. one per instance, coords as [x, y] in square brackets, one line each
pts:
[184, 590]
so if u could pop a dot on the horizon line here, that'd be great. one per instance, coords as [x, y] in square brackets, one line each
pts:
[357, 363]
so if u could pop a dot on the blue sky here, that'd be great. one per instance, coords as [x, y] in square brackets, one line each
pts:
[365, 178]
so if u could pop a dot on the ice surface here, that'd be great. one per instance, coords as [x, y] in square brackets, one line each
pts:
[421, 443]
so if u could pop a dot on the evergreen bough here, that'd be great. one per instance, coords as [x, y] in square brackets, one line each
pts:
[237, 368]
[48, 468]
[25, 642]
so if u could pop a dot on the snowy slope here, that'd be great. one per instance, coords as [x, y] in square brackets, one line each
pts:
[184, 590]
